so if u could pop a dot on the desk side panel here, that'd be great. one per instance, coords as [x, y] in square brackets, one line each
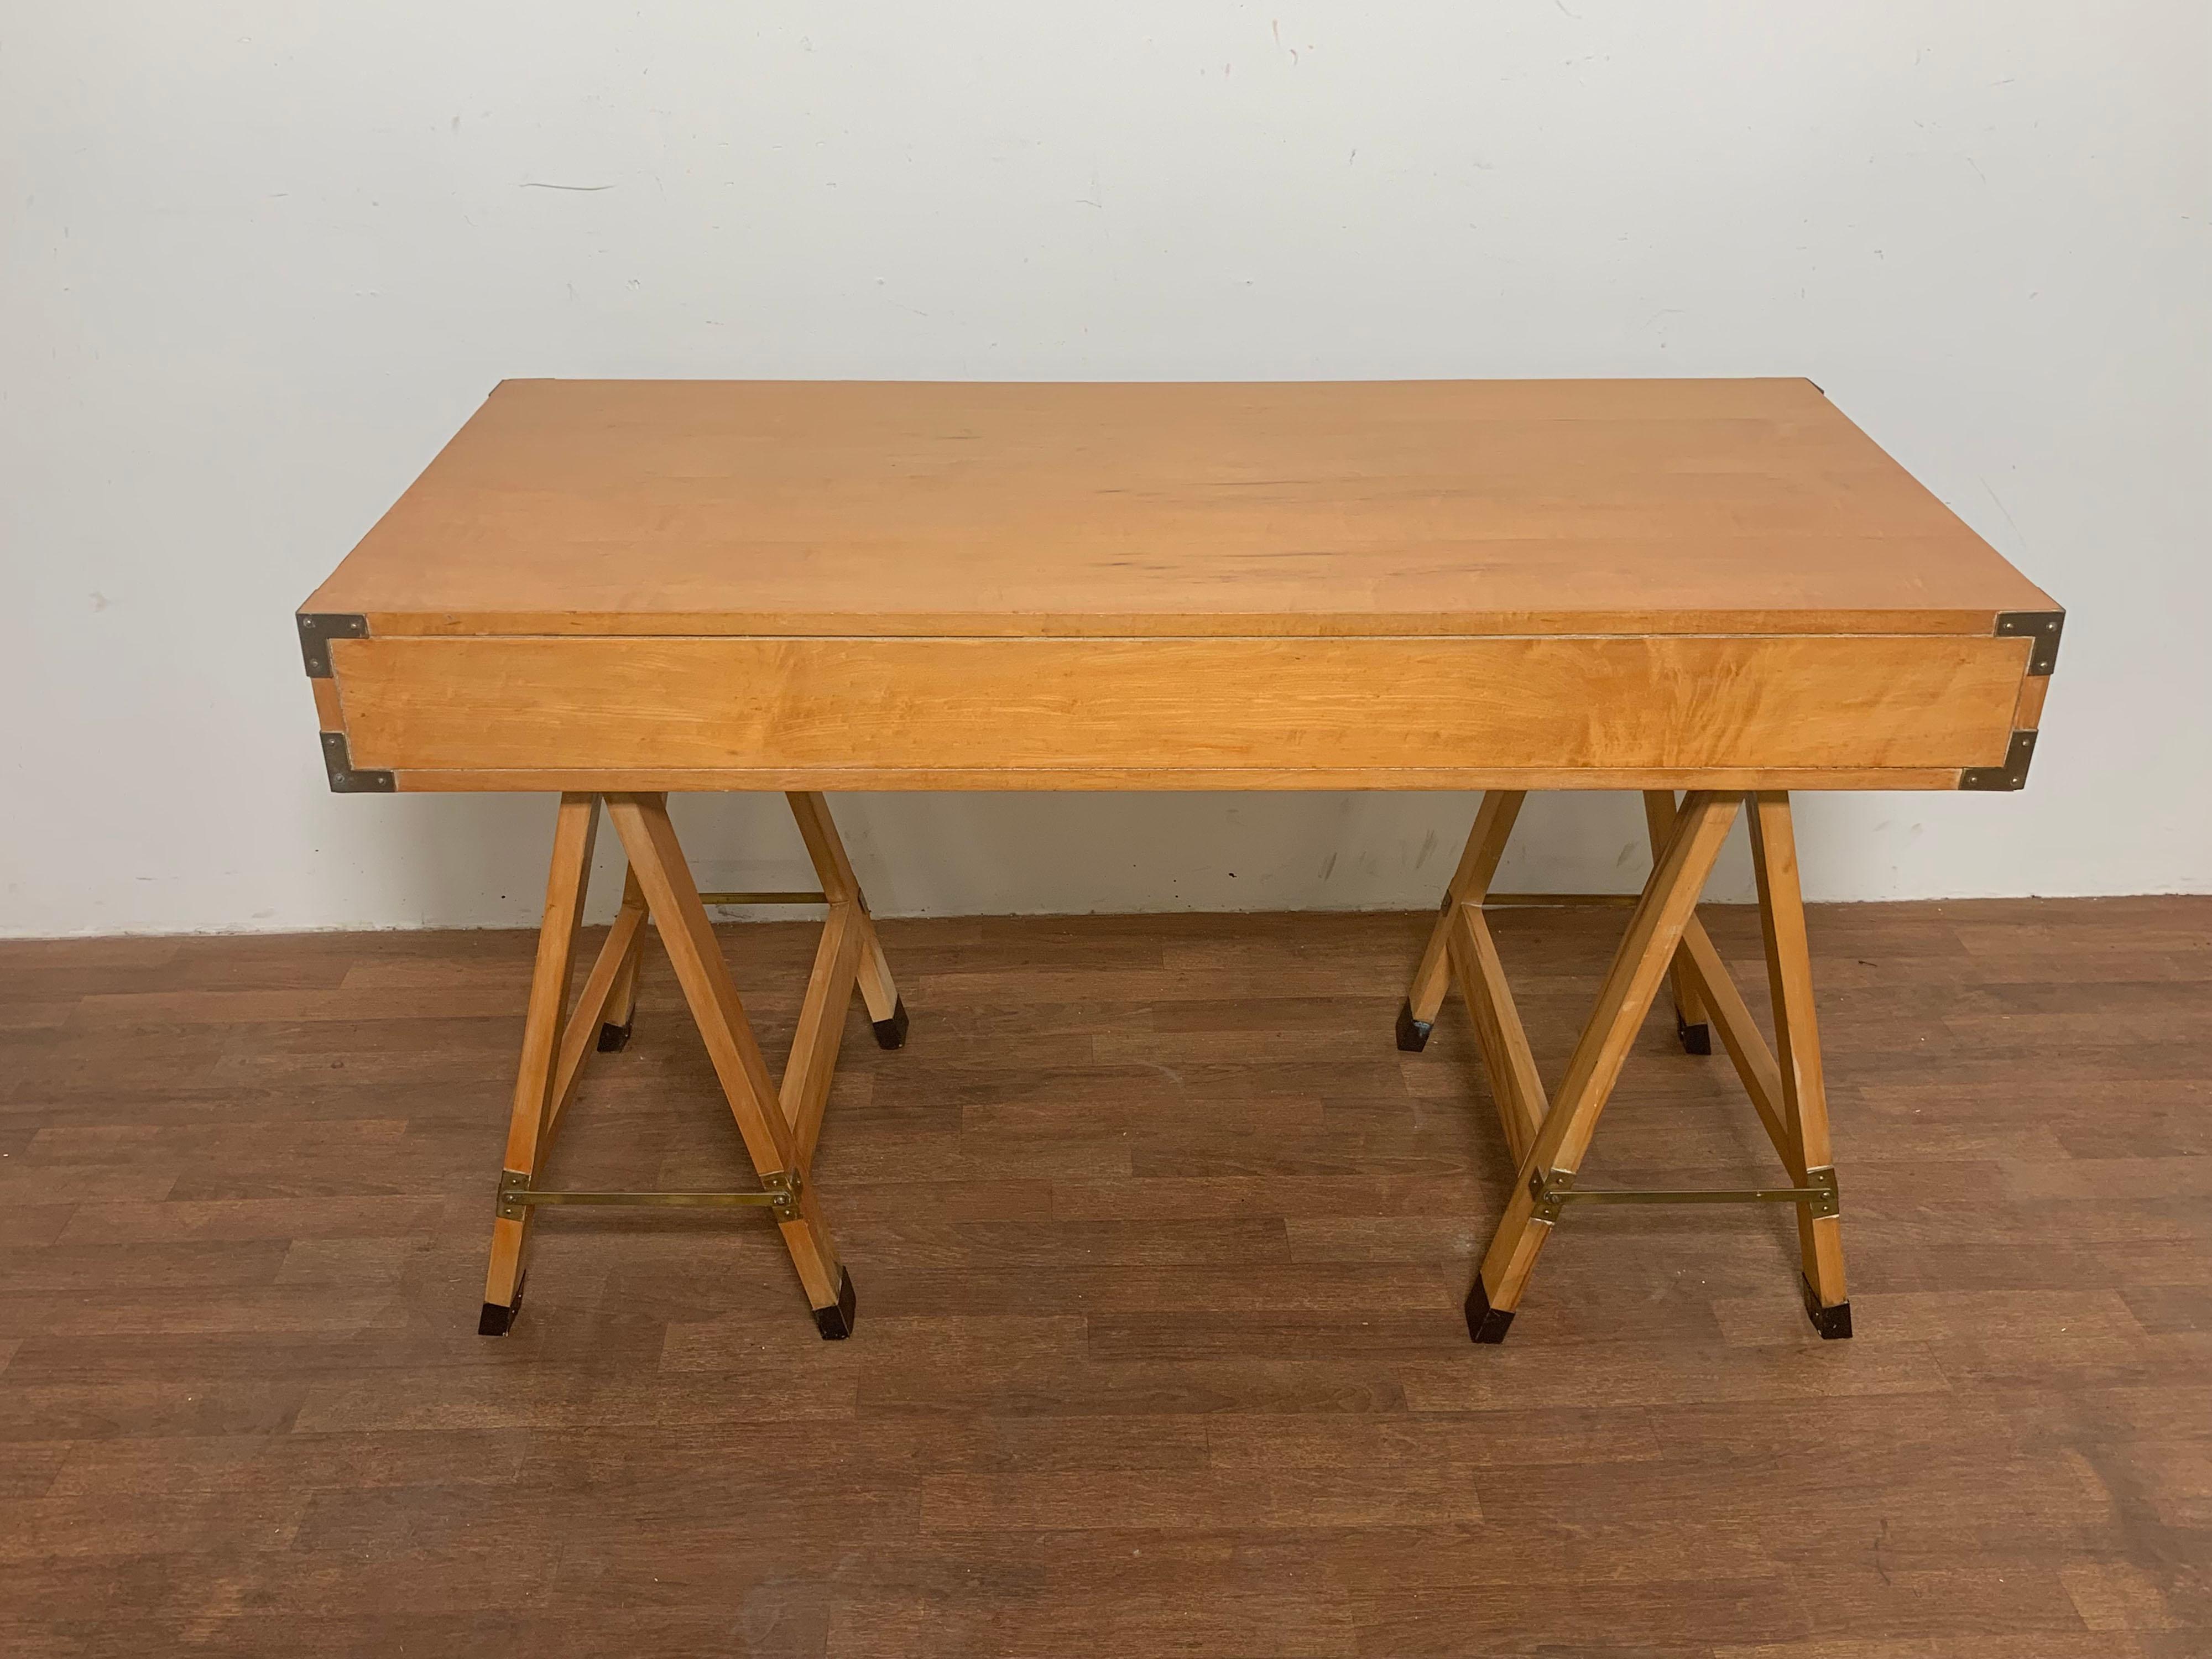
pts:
[920, 713]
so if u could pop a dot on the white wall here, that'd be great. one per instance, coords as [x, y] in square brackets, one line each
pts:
[262, 256]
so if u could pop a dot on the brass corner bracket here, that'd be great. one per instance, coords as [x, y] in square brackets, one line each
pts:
[345, 780]
[2043, 626]
[317, 628]
[2013, 775]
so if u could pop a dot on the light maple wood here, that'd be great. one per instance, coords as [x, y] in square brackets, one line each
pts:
[1470, 883]
[874, 970]
[1745, 1045]
[804, 1091]
[657, 886]
[688, 937]
[825, 850]
[576, 826]
[622, 1000]
[1706, 979]
[595, 1006]
[1788, 1093]
[825, 847]
[646, 586]
[1654, 927]
[1659, 808]
[1796, 1034]
[1506, 1059]
[1633, 507]
[1017, 706]
[631, 779]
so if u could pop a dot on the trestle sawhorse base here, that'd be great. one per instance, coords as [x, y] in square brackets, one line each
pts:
[779, 1122]
[1549, 1136]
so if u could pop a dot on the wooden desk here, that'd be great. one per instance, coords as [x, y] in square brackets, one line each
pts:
[617, 589]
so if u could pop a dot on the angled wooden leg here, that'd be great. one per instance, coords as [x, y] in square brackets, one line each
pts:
[1690, 1028]
[574, 830]
[1513, 1084]
[1741, 1036]
[1797, 1054]
[1790, 1094]
[673, 897]
[805, 1087]
[622, 1000]
[583, 1032]
[1654, 927]
[1470, 883]
[886, 1009]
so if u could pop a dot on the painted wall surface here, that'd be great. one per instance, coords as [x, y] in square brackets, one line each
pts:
[258, 260]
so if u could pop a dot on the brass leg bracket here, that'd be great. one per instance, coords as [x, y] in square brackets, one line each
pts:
[1553, 1190]
[778, 1194]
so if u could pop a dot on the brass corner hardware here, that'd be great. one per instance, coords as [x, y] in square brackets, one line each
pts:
[345, 778]
[2043, 626]
[1549, 1188]
[318, 629]
[2013, 775]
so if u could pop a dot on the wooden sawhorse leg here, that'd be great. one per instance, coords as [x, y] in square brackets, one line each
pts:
[1805, 1145]
[1691, 1029]
[886, 1009]
[529, 1129]
[780, 1124]
[1470, 884]
[1664, 937]
[622, 1001]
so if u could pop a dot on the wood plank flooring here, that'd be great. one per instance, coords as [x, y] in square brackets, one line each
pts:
[1159, 1245]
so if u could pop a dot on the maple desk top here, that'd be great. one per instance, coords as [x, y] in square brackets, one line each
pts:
[1391, 507]
[643, 586]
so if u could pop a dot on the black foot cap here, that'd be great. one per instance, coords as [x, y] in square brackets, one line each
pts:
[614, 1037]
[498, 1321]
[891, 1033]
[1413, 1034]
[1696, 1039]
[836, 1323]
[1833, 1323]
[1484, 1322]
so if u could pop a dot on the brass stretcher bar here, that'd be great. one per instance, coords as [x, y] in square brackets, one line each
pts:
[1714, 594]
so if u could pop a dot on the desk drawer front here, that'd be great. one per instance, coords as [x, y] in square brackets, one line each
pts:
[976, 706]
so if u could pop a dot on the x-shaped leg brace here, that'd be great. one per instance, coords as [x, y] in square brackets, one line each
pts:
[780, 1124]
[1549, 1138]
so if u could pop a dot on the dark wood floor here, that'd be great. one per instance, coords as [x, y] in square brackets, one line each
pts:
[1160, 1246]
